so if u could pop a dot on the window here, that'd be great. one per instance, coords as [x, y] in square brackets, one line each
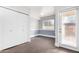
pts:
[48, 24]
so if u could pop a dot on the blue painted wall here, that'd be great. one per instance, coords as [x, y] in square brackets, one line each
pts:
[46, 32]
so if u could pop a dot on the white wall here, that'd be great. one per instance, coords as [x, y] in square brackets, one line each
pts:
[34, 26]
[14, 28]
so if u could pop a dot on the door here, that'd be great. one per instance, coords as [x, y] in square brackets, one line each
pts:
[68, 28]
[15, 28]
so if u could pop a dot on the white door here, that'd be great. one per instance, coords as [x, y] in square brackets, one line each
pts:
[68, 28]
[15, 28]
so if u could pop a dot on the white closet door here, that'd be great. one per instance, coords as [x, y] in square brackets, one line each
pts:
[14, 29]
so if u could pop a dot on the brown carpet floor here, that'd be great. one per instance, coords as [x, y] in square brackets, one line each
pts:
[38, 44]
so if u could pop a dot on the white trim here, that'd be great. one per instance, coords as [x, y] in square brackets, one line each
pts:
[33, 36]
[41, 35]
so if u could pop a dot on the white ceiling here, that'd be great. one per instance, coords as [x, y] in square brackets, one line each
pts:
[47, 10]
[35, 11]
[41, 11]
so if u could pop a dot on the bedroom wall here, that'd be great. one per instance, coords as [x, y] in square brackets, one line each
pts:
[33, 26]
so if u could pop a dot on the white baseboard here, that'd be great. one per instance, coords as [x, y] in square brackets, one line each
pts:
[32, 36]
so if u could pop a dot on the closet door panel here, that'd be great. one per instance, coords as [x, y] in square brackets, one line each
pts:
[22, 28]
[14, 28]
